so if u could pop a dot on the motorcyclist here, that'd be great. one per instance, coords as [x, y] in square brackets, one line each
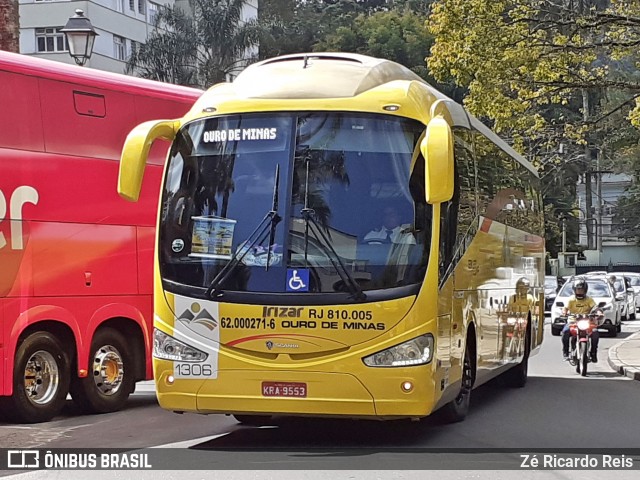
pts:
[580, 303]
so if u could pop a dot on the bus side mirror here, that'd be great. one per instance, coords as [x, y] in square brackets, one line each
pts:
[135, 152]
[437, 150]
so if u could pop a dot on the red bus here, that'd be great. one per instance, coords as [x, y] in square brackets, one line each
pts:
[76, 262]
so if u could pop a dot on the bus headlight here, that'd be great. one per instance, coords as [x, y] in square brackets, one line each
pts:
[168, 348]
[417, 351]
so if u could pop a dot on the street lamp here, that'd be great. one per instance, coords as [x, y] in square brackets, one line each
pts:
[80, 37]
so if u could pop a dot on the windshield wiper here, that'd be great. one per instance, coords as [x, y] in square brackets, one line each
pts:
[257, 237]
[275, 219]
[309, 221]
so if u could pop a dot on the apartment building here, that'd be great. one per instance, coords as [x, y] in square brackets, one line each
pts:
[120, 24]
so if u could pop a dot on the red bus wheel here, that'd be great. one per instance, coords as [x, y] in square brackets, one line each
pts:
[40, 379]
[111, 374]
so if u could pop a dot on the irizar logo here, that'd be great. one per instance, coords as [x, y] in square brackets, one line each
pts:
[196, 315]
[282, 312]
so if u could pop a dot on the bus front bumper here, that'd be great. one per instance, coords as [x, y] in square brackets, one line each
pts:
[382, 395]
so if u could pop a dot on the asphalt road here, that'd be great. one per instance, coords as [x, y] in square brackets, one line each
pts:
[557, 409]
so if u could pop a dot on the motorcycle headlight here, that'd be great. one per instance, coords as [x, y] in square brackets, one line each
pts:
[168, 348]
[584, 324]
[417, 351]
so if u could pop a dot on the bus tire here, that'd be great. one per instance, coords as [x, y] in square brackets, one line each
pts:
[253, 420]
[111, 375]
[456, 410]
[41, 376]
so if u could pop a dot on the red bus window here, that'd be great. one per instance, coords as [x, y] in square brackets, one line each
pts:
[89, 104]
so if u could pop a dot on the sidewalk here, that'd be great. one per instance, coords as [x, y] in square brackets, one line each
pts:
[624, 357]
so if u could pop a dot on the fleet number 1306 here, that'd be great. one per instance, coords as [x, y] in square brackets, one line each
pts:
[193, 370]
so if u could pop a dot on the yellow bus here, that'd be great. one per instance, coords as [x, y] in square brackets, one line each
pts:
[338, 238]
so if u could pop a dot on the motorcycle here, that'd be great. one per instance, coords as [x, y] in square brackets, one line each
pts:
[580, 328]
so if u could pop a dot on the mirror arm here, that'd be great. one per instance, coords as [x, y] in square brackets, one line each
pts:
[136, 151]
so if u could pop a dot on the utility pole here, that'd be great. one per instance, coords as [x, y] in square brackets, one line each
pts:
[599, 210]
[587, 173]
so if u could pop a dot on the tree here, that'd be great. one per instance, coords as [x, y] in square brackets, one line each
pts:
[199, 49]
[546, 73]
[296, 26]
[9, 26]
[400, 36]
[520, 56]
[627, 215]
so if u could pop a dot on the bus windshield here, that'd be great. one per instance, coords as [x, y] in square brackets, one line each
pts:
[346, 192]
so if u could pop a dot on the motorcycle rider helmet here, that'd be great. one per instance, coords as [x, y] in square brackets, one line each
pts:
[522, 286]
[580, 284]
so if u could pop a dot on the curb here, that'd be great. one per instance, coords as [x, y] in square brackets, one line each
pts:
[619, 366]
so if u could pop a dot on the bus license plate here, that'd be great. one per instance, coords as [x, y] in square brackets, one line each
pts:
[284, 389]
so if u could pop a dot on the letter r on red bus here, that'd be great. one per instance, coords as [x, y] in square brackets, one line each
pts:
[20, 196]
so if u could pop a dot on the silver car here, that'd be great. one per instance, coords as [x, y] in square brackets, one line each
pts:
[602, 293]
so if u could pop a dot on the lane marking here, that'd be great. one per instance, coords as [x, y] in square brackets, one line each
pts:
[191, 443]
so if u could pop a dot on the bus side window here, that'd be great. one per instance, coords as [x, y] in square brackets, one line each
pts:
[103, 115]
[448, 228]
[20, 100]
[458, 214]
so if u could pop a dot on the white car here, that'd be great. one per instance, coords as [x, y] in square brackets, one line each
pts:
[634, 281]
[602, 293]
[631, 298]
[616, 280]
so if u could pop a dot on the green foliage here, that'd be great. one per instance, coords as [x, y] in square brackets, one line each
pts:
[627, 215]
[547, 73]
[396, 35]
[197, 49]
[295, 26]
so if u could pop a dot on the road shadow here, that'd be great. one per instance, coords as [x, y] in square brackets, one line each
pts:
[539, 415]
[620, 336]
[71, 410]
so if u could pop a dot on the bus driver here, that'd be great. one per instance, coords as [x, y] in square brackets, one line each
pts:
[391, 231]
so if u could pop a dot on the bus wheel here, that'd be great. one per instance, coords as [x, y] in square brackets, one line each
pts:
[40, 379]
[456, 410]
[253, 420]
[111, 375]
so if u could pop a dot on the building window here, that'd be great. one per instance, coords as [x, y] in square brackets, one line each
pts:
[120, 5]
[51, 40]
[153, 12]
[141, 4]
[119, 48]
[132, 5]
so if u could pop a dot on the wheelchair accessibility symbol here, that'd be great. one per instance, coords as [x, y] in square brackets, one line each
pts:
[297, 280]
